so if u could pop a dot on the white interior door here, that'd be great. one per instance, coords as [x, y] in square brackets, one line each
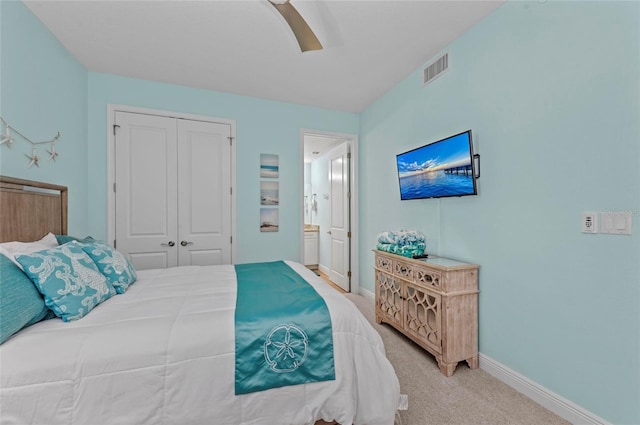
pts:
[146, 189]
[204, 196]
[339, 269]
[173, 191]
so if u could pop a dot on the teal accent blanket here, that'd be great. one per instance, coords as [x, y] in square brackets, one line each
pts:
[404, 250]
[283, 330]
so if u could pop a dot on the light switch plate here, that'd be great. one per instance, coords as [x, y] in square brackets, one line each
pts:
[615, 222]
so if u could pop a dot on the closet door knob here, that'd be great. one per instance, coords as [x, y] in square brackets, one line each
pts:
[185, 243]
[170, 243]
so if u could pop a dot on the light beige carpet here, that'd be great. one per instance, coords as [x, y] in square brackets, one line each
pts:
[469, 397]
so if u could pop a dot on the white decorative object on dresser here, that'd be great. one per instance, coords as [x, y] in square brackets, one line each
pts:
[434, 302]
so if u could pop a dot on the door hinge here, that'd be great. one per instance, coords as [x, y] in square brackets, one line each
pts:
[114, 128]
[348, 155]
[349, 273]
[230, 191]
[349, 195]
[230, 140]
[230, 239]
[114, 244]
[114, 187]
[348, 234]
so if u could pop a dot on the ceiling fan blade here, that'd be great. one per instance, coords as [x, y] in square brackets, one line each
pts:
[301, 30]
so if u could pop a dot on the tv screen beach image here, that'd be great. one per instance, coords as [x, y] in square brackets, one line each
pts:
[269, 166]
[269, 219]
[269, 193]
[440, 169]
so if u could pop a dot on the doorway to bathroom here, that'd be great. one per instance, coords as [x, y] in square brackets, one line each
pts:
[329, 205]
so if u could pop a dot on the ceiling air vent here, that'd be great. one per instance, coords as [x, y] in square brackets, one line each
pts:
[436, 69]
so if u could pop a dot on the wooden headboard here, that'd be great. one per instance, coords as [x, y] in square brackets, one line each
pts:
[29, 209]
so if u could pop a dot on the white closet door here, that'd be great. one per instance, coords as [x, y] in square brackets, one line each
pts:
[146, 189]
[173, 191]
[204, 193]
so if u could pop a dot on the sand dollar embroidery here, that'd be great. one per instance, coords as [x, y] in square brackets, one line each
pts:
[285, 348]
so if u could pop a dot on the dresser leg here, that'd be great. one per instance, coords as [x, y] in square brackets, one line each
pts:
[446, 368]
[473, 362]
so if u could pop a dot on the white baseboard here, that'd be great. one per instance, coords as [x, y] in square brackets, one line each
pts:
[541, 395]
[367, 294]
[324, 269]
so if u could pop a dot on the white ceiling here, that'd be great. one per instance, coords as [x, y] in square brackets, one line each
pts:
[315, 146]
[245, 46]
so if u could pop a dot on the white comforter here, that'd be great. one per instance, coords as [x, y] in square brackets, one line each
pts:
[163, 353]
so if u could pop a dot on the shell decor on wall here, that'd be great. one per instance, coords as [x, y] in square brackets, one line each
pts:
[7, 138]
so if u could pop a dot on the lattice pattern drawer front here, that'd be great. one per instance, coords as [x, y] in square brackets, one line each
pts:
[389, 296]
[384, 263]
[422, 317]
[428, 278]
[404, 270]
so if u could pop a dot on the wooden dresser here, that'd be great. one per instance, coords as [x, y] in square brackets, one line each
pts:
[434, 302]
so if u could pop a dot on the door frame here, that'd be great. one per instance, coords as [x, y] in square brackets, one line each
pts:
[352, 141]
[111, 199]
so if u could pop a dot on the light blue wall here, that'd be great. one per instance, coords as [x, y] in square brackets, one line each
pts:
[43, 91]
[551, 91]
[262, 126]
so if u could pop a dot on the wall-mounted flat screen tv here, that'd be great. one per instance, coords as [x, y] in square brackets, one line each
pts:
[439, 169]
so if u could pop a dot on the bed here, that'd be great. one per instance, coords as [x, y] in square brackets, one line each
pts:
[163, 351]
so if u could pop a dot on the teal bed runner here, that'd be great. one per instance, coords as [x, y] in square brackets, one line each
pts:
[283, 329]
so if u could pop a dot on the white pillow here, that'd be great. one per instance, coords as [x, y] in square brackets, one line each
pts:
[13, 249]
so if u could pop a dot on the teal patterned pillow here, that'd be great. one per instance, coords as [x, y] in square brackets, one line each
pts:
[112, 264]
[69, 280]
